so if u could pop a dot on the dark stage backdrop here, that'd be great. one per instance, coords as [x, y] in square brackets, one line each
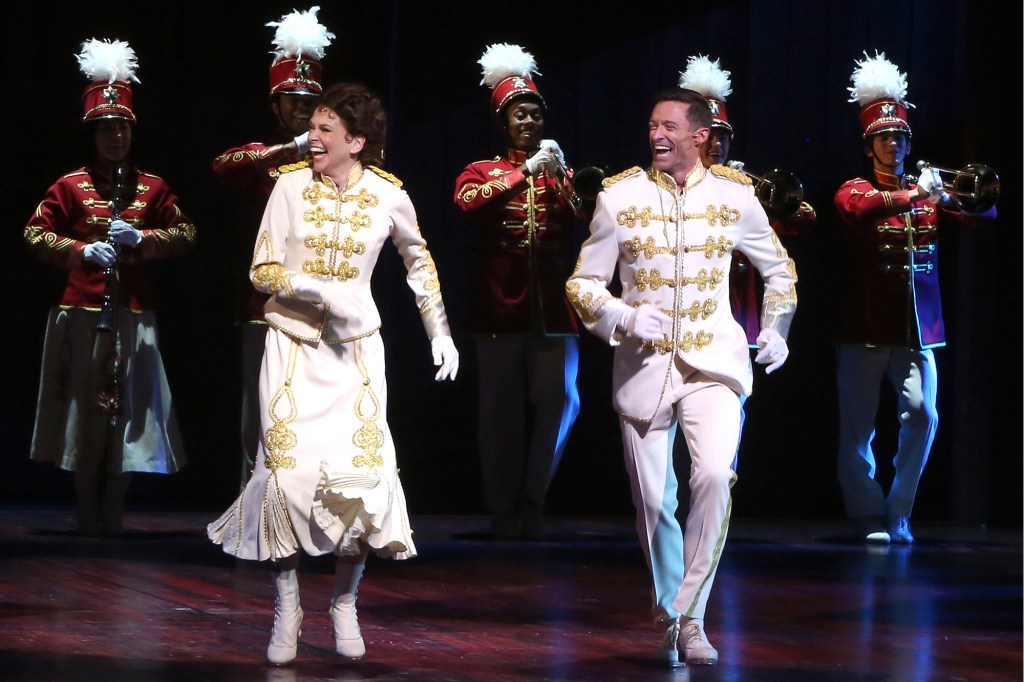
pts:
[204, 66]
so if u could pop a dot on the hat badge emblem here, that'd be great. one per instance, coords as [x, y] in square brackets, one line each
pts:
[111, 95]
[713, 105]
[888, 109]
[303, 69]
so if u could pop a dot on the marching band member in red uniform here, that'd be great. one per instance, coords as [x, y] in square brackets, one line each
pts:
[891, 317]
[709, 79]
[527, 346]
[253, 170]
[104, 406]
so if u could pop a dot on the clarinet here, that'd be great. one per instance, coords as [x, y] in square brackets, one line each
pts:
[106, 319]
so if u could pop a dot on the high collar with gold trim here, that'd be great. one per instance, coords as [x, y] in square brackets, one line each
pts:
[888, 181]
[666, 181]
[355, 174]
[517, 157]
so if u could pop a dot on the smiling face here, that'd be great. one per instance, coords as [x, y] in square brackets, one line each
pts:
[334, 150]
[675, 140]
[113, 138]
[716, 149]
[524, 121]
[888, 151]
[293, 112]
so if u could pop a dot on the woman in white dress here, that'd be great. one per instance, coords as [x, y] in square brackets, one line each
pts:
[327, 480]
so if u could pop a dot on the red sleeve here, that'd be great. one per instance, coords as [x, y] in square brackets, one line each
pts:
[166, 230]
[47, 233]
[476, 190]
[858, 201]
[243, 166]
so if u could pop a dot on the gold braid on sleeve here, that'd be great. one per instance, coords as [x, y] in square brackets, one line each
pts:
[272, 276]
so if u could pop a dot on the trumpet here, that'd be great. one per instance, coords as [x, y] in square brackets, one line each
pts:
[106, 321]
[779, 192]
[580, 188]
[975, 187]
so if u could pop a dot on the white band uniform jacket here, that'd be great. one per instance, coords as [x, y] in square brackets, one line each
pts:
[338, 236]
[673, 247]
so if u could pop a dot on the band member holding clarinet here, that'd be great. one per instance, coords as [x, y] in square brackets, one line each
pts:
[526, 332]
[891, 317]
[104, 407]
[252, 170]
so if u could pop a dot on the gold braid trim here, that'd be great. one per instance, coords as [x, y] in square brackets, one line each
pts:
[279, 439]
[298, 165]
[608, 182]
[721, 171]
[369, 437]
[384, 174]
[272, 274]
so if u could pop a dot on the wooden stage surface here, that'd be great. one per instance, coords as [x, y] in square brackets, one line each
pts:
[793, 602]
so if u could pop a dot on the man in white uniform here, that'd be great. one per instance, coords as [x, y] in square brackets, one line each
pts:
[680, 357]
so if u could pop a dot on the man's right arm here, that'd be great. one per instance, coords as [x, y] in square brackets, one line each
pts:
[603, 315]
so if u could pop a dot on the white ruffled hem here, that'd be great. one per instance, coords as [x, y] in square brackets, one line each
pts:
[360, 506]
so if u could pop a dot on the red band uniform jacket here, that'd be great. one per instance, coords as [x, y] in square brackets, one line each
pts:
[892, 297]
[525, 230]
[76, 211]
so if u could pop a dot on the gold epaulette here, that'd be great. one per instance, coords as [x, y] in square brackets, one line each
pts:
[730, 174]
[608, 182]
[387, 176]
[298, 165]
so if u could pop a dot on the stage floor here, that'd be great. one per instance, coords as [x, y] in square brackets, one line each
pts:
[792, 602]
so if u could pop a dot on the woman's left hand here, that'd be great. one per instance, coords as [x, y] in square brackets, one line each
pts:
[446, 356]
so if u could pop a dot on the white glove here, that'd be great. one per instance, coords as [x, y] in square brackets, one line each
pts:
[555, 150]
[446, 357]
[735, 165]
[931, 182]
[647, 323]
[774, 350]
[302, 142]
[123, 233]
[539, 161]
[100, 253]
[307, 287]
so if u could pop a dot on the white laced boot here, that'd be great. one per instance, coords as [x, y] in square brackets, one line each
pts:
[348, 640]
[284, 640]
[694, 643]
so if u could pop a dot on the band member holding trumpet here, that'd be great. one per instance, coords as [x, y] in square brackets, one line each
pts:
[527, 345]
[253, 169]
[780, 193]
[891, 319]
[104, 407]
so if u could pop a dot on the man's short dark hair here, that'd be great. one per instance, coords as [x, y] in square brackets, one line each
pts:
[699, 113]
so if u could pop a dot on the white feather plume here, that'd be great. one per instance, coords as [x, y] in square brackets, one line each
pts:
[706, 77]
[502, 60]
[107, 60]
[300, 34]
[876, 77]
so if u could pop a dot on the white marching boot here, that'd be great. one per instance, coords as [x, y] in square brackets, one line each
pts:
[348, 641]
[284, 640]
